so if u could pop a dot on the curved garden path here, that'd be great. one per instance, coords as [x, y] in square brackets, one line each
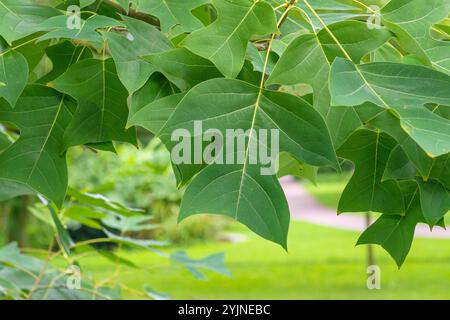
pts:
[304, 207]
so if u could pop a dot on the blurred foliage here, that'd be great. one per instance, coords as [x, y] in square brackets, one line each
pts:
[58, 273]
[142, 179]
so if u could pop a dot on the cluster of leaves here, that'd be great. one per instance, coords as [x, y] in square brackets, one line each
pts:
[377, 95]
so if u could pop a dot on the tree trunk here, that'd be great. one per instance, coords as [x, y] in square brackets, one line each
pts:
[370, 254]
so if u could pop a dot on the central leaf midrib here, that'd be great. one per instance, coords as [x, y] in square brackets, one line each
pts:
[41, 151]
[258, 98]
[102, 113]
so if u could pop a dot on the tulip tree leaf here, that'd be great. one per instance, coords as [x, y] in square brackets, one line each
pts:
[63, 55]
[183, 68]
[393, 232]
[175, 15]
[21, 18]
[241, 190]
[435, 200]
[127, 51]
[214, 262]
[307, 59]
[402, 88]
[289, 166]
[369, 151]
[157, 87]
[441, 170]
[224, 42]
[390, 123]
[155, 115]
[399, 166]
[13, 75]
[102, 103]
[85, 3]
[42, 115]
[411, 21]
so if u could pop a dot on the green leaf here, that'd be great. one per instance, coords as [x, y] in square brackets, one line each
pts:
[20, 18]
[5, 139]
[140, 243]
[33, 51]
[11, 255]
[395, 233]
[155, 115]
[307, 59]
[429, 130]
[42, 115]
[304, 61]
[330, 11]
[240, 190]
[441, 170]
[289, 166]
[354, 36]
[128, 224]
[157, 87]
[63, 55]
[85, 3]
[13, 75]
[100, 201]
[365, 191]
[127, 50]
[258, 58]
[85, 215]
[411, 21]
[214, 262]
[389, 85]
[183, 68]
[63, 235]
[102, 103]
[342, 122]
[175, 15]
[403, 88]
[399, 166]
[155, 295]
[224, 42]
[390, 124]
[434, 199]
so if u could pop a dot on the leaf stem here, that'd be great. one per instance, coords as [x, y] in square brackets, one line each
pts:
[328, 30]
[18, 46]
[269, 47]
[43, 270]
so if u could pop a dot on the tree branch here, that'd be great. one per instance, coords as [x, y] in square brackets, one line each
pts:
[134, 14]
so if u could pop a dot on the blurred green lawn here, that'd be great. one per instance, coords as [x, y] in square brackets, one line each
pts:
[322, 263]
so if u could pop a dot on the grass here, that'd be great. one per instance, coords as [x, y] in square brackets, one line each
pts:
[322, 263]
